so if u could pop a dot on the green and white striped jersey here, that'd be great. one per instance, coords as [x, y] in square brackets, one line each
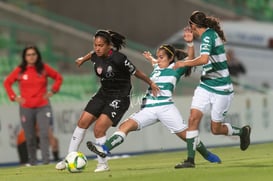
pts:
[165, 79]
[215, 76]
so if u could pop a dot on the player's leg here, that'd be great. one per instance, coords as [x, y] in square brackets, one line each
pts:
[137, 121]
[220, 106]
[91, 112]
[200, 103]
[84, 122]
[43, 118]
[119, 136]
[102, 124]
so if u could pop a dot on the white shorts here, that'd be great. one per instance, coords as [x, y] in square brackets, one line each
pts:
[218, 104]
[167, 114]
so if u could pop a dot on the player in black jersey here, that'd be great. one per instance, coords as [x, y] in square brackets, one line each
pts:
[112, 100]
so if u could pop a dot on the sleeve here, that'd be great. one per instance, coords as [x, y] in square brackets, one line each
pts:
[206, 44]
[10, 79]
[126, 64]
[58, 79]
[181, 71]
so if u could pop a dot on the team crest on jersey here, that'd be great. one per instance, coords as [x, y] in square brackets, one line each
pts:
[25, 77]
[99, 70]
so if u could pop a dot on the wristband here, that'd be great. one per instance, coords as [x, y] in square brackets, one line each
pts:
[190, 44]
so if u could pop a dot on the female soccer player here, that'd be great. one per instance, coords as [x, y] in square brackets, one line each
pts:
[157, 109]
[32, 75]
[112, 100]
[215, 88]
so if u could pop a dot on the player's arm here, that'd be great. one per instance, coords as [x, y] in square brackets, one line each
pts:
[201, 60]
[139, 74]
[79, 61]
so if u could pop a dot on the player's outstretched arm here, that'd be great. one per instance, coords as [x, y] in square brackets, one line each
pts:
[155, 89]
[79, 61]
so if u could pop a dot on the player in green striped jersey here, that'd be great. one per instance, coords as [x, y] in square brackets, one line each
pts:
[215, 88]
[160, 108]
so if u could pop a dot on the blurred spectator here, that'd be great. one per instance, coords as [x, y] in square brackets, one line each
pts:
[33, 98]
[235, 67]
[22, 146]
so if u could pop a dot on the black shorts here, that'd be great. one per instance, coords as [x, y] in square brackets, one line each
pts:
[112, 106]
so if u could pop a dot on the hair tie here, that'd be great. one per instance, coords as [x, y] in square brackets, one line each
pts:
[166, 48]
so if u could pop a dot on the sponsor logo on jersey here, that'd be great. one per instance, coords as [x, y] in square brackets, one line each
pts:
[109, 72]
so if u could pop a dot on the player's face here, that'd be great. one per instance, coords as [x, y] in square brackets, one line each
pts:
[101, 47]
[194, 29]
[162, 59]
[31, 56]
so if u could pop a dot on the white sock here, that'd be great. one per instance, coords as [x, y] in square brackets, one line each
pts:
[229, 127]
[76, 139]
[120, 133]
[101, 141]
[193, 134]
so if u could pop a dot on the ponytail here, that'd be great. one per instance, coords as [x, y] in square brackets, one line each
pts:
[203, 21]
[111, 37]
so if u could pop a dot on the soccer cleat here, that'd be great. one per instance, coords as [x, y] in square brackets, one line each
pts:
[185, 164]
[213, 158]
[61, 165]
[245, 137]
[102, 167]
[97, 149]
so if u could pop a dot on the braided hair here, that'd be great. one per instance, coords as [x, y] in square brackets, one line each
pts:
[111, 37]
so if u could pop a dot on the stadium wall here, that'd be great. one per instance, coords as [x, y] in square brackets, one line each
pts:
[252, 108]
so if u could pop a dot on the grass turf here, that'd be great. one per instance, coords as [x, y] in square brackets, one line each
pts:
[254, 164]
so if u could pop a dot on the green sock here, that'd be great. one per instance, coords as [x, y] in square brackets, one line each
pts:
[236, 131]
[113, 141]
[202, 150]
[191, 147]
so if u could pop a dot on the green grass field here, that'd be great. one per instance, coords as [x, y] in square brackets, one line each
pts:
[255, 164]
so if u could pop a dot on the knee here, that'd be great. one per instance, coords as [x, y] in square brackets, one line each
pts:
[83, 124]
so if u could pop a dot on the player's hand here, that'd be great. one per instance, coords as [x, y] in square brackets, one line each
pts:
[79, 61]
[188, 34]
[149, 57]
[19, 99]
[155, 89]
[179, 64]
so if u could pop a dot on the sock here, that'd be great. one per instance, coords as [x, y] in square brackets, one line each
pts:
[202, 150]
[101, 141]
[76, 139]
[232, 130]
[116, 139]
[192, 139]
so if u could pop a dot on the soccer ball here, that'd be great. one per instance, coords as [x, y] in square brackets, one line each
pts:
[75, 162]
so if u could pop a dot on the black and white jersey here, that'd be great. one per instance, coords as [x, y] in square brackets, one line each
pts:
[114, 72]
